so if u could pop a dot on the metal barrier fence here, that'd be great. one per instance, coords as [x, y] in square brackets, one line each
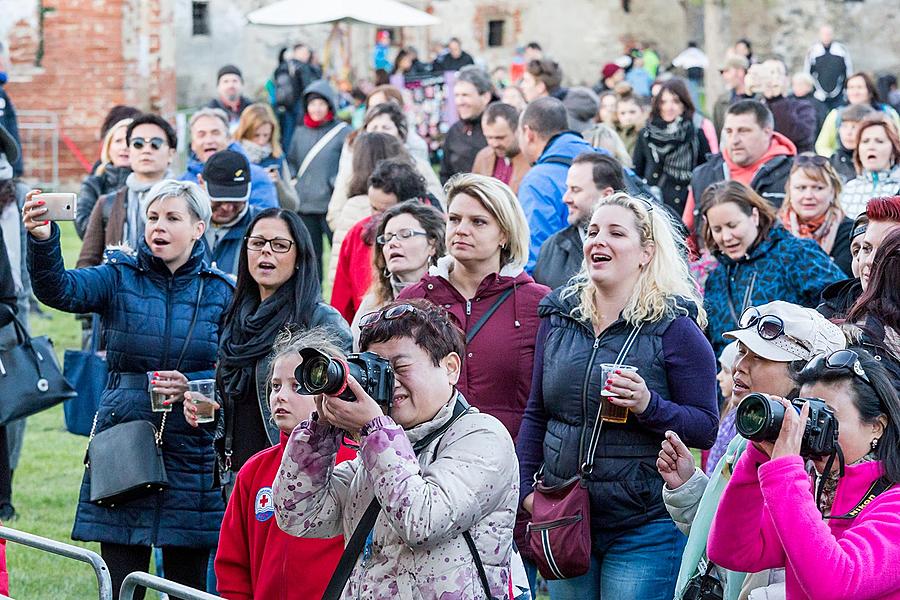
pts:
[39, 133]
[69, 551]
[152, 582]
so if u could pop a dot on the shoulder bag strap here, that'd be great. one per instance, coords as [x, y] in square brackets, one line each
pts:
[482, 575]
[484, 318]
[318, 147]
[367, 523]
[588, 464]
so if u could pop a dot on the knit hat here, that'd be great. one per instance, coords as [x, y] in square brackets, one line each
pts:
[581, 105]
[229, 70]
[805, 333]
[860, 224]
[610, 69]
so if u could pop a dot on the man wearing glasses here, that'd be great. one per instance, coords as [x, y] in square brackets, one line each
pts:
[116, 218]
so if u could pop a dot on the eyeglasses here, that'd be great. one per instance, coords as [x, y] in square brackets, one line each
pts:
[155, 142]
[278, 245]
[810, 158]
[841, 359]
[768, 327]
[403, 234]
[389, 314]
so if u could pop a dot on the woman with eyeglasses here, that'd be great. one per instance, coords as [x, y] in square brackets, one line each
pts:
[277, 289]
[836, 533]
[633, 304]
[811, 209]
[409, 240]
[147, 301]
[759, 260]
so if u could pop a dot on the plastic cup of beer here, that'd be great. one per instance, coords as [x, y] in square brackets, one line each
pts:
[156, 399]
[609, 412]
[202, 393]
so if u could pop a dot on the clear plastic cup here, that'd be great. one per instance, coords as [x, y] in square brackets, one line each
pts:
[609, 412]
[202, 393]
[156, 399]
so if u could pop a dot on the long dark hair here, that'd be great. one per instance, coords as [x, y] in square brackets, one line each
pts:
[872, 401]
[368, 150]
[677, 88]
[304, 281]
[882, 296]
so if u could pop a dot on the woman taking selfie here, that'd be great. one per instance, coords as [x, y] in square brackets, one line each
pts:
[839, 541]
[811, 209]
[634, 304]
[759, 260]
[146, 302]
[409, 240]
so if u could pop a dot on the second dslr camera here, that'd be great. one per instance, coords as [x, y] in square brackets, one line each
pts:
[319, 373]
[759, 419]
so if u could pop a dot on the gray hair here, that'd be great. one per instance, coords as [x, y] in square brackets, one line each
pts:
[196, 199]
[216, 113]
[478, 77]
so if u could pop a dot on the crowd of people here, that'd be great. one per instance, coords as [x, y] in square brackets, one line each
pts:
[553, 324]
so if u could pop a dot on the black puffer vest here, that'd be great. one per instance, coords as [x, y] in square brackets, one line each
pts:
[624, 485]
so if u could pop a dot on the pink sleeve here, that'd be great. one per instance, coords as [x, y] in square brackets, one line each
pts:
[742, 536]
[864, 563]
[712, 136]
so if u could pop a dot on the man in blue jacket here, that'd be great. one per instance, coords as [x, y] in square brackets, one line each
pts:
[545, 142]
[209, 134]
[226, 178]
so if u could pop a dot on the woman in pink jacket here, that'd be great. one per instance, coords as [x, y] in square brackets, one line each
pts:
[839, 538]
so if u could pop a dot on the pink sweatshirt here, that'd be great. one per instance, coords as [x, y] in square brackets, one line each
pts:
[767, 518]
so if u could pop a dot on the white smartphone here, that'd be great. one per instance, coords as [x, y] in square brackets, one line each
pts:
[60, 206]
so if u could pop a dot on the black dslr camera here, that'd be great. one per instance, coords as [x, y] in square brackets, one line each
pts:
[759, 419]
[319, 373]
[703, 586]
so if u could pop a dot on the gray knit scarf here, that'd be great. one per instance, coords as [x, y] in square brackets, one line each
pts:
[674, 147]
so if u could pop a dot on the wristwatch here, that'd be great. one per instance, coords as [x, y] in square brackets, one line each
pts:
[376, 423]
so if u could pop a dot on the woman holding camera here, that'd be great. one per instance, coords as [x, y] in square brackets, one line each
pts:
[837, 533]
[759, 260]
[277, 288]
[633, 304]
[146, 302]
[439, 475]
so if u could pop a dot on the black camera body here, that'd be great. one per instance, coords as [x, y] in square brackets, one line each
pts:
[759, 419]
[703, 587]
[319, 373]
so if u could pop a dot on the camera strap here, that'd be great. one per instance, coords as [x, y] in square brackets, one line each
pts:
[879, 486]
[838, 453]
[365, 526]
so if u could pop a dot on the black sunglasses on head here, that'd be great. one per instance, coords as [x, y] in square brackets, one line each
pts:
[841, 359]
[389, 314]
[768, 327]
[155, 142]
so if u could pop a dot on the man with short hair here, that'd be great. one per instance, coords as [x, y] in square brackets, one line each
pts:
[547, 143]
[464, 139]
[116, 218]
[830, 66]
[229, 85]
[226, 178]
[733, 73]
[501, 158]
[753, 153]
[592, 177]
[209, 134]
[454, 59]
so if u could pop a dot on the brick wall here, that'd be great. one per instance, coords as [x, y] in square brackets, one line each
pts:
[96, 54]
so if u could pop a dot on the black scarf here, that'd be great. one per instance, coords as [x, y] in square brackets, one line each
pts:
[673, 146]
[248, 338]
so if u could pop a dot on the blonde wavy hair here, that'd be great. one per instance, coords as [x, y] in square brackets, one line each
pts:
[105, 158]
[498, 199]
[254, 117]
[662, 282]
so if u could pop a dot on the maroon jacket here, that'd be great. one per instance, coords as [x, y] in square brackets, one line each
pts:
[496, 372]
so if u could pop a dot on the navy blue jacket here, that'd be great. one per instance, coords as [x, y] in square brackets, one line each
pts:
[146, 312]
[780, 267]
[227, 252]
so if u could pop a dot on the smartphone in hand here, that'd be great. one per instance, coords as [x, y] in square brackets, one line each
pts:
[60, 206]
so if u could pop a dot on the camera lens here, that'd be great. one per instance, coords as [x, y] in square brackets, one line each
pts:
[759, 418]
[317, 372]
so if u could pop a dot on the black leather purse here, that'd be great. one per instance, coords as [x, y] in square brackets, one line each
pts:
[126, 461]
[30, 377]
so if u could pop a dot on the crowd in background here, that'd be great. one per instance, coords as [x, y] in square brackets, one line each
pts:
[751, 246]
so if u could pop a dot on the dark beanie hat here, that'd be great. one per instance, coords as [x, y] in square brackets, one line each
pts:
[229, 70]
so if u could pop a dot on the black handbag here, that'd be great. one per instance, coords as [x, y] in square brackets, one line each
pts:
[30, 377]
[126, 461]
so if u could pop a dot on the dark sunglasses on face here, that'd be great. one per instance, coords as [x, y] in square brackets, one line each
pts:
[278, 245]
[155, 142]
[388, 314]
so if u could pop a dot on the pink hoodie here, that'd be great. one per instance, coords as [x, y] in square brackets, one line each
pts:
[767, 518]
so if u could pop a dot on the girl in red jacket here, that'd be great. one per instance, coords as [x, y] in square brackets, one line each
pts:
[255, 558]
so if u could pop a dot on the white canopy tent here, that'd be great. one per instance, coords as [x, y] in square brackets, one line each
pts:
[386, 13]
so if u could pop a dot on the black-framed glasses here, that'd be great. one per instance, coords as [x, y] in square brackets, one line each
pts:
[841, 359]
[279, 245]
[403, 234]
[768, 327]
[394, 312]
[155, 142]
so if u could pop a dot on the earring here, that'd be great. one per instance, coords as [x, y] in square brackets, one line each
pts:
[386, 273]
[874, 443]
